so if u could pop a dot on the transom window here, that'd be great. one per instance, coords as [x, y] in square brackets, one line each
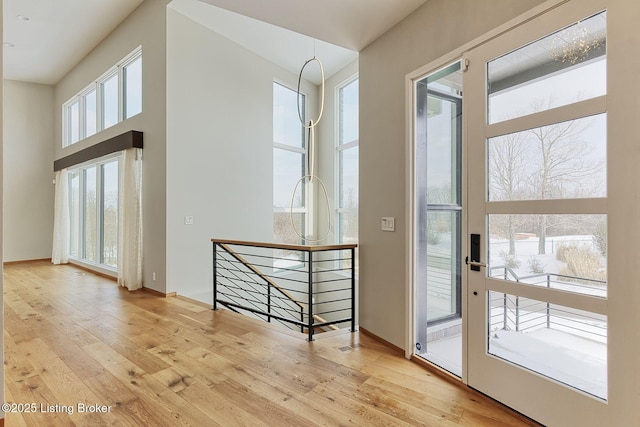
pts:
[114, 97]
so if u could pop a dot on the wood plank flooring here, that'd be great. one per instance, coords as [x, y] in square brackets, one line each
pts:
[72, 337]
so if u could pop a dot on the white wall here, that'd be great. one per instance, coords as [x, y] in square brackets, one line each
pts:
[146, 26]
[1, 234]
[219, 148]
[28, 171]
[436, 28]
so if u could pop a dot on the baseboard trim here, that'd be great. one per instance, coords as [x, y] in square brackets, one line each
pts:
[381, 340]
[194, 301]
[158, 293]
[27, 261]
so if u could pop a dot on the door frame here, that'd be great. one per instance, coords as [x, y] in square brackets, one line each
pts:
[410, 217]
[623, 200]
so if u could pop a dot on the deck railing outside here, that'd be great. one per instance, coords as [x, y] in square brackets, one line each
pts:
[512, 312]
[303, 287]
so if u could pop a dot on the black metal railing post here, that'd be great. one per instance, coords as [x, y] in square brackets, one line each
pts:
[310, 322]
[215, 277]
[353, 289]
[269, 302]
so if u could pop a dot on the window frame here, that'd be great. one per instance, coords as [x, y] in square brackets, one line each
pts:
[339, 149]
[97, 85]
[304, 152]
[80, 170]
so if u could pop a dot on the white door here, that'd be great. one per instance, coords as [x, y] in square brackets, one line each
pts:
[536, 150]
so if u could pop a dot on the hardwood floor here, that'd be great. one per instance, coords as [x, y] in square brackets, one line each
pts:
[140, 360]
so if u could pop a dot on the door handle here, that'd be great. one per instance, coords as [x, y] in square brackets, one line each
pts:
[475, 262]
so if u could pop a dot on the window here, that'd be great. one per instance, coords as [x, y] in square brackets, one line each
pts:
[133, 88]
[90, 105]
[112, 98]
[73, 122]
[289, 165]
[347, 163]
[93, 204]
[109, 93]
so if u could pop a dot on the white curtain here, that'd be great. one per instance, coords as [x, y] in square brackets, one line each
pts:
[61, 226]
[130, 238]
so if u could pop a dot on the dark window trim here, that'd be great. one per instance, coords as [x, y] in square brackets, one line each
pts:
[130, 139]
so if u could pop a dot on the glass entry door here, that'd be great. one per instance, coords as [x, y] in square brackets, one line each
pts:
[438, 131]
[536, 110]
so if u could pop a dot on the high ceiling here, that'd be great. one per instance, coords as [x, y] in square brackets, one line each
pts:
[58, 34]
[352, 24]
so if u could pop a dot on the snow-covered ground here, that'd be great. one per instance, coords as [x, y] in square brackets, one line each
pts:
[564, 357]
[569, 359]
[573, 351]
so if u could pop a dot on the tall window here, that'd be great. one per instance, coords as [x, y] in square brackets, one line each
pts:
[93, 202]
[112, 98]
[289, 165]
[347, 163]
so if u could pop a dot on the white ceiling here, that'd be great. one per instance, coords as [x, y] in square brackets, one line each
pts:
[352, 24]
[286, 48]
[59, 34]
[62, 32]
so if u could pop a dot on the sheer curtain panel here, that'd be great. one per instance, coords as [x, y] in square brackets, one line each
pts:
[130, 230]
[60, 253]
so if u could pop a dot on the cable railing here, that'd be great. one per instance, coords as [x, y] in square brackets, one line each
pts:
[302, 287]
[520, 314]
[553, 281]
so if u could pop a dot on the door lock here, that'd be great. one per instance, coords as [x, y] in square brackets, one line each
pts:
[475, 262]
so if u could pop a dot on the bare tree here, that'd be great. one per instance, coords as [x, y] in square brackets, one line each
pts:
[507, 155]
[563, 166]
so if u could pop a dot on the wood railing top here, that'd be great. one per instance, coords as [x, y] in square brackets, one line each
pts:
[309, 248]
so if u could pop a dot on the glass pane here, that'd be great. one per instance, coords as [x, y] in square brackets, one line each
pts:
[287, 128]
[567, 252]
[74, 214]
[560, 161]
[90, 215]
[90, 115]
[562, 343]
[349, 178]
[443, 264]
[349, 113]
[560, 69]
[133, 88]
[438, 172]
[110, 214]
[110, 102]
[283, 232]
[348, 223]
[74, 122]
[288, 168]
[443, 130]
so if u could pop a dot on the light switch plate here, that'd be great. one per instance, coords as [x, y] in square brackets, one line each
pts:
[188, 220]
[388, 223]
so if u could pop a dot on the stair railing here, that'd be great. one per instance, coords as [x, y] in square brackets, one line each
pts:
[306, 287]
